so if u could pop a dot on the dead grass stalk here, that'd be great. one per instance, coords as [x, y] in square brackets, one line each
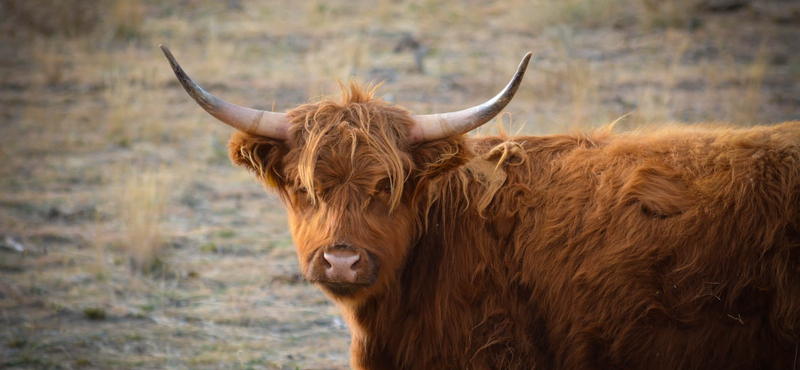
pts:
[141, 209]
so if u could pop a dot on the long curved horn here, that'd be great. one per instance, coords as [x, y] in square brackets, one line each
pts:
[252, 121]
[431, 127]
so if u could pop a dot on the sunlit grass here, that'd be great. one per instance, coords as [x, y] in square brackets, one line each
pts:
[141, 200]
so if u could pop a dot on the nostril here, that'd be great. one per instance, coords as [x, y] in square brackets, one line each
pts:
[326, 259]
[325, 262]
[355, 264]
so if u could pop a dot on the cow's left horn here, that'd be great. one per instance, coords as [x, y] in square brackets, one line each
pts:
[252, 121]
[443, 125]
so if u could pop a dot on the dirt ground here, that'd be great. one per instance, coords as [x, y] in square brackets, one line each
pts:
[128, 240]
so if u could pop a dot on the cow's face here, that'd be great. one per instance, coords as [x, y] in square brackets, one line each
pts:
[348, 214]
[349, 231]
[344, 177]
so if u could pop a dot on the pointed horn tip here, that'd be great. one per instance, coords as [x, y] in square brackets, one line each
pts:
[525, 60]
[166, 51]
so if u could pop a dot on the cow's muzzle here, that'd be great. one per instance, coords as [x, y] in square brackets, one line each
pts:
[342, 265]
[342, 269]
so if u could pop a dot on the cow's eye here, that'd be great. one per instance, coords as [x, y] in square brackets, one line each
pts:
[384, 186]
[302, 190]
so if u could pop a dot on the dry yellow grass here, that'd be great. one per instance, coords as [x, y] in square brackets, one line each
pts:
[748, 109]
[141, 200]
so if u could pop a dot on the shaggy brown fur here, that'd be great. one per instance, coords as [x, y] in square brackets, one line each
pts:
[675, 248]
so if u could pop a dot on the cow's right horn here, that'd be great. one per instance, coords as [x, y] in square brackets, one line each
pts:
[252, 121]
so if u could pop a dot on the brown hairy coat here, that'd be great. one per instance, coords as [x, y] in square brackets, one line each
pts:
[675, 248]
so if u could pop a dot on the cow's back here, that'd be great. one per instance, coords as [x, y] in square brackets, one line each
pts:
[670, 249]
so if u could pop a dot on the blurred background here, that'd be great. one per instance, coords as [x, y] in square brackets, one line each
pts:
[128, 240]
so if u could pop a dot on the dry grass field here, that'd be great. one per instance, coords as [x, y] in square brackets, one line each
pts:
[128, 240]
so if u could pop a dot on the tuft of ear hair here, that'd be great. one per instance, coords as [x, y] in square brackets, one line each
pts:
[260, 155]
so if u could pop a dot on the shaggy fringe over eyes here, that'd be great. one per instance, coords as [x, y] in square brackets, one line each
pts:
[361, 120]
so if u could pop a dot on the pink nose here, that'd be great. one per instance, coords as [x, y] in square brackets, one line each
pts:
[343, 265]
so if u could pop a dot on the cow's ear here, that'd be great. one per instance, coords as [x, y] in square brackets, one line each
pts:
[261, 155]
[439, 157]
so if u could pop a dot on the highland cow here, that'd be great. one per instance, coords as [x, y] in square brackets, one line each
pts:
[670, 248]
